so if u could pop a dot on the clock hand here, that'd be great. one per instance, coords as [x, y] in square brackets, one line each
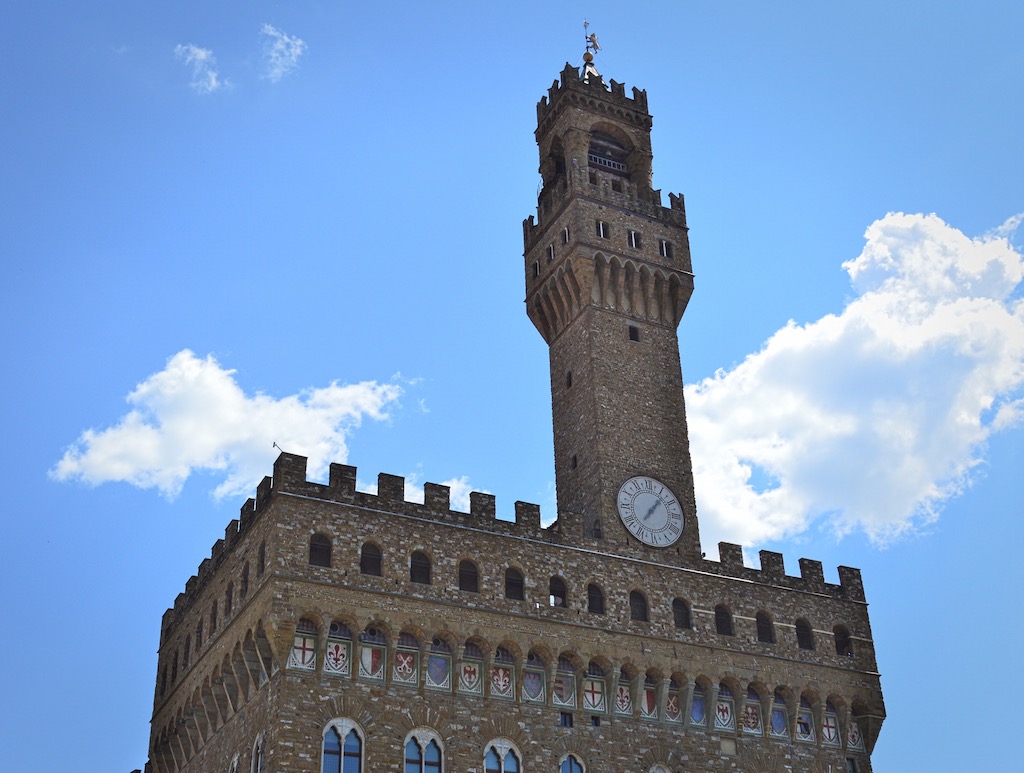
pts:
[651, 511]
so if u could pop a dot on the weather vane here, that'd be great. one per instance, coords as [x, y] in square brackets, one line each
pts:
[591, 38]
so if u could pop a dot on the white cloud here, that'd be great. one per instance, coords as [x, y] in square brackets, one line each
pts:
[205, 77]
[192, 416]
[281, 52]
[869, 419]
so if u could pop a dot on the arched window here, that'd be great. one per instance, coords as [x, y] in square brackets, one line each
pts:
[623, 694]
[261, 562]
[439, 666]
[564, 692]
[534, 681]
[502, 757]
[257, 755]
[805, 721]
[571, 765]
[637, 606]
[407, 660]
[319, 550]
[303, 653]
[681, 613]
[804, 635]
[372, 654]
[174, 668]
[514, 584]
[213, 618]
[419, 567]
[469, 577]
[752, 724]
[471, 670]
[844, 643]
[370, 560]
[243, 588]
[765, 628]
[725, 711]
[503, 675]
[229, 598]
[557, 593]
[649, 704]
[338, 657]
[830, 726]
[423, 752]
[778, 727]
[187, 655]
[343, 747]
[723, 620]
[595, 599]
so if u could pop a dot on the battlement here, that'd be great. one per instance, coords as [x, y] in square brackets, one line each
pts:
[289, 479]
[593, 94]
[773, 572]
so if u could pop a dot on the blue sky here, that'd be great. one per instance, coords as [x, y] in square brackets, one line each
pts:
[237, 224]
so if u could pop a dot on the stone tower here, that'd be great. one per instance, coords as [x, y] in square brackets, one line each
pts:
[608, 277]
[342, 631]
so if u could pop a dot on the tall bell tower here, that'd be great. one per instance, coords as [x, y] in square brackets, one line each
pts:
[608, 277]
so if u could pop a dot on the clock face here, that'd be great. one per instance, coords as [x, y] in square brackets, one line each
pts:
[650, 511]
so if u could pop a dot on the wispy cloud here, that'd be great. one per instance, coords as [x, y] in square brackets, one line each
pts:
[192, 416]
[873, 417]
[205, 77]
[281, 52]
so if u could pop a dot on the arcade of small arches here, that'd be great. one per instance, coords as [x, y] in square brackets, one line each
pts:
[371, 562]
[231, 684]
[565, 682]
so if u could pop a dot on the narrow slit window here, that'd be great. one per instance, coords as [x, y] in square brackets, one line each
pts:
[565, 235]
[634, 333]
[536, 269]
[665, 249]
[603, 231]
[634, 240]
[551, 252]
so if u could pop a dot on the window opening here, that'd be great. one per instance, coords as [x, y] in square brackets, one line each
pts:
[603, 231]
[319, 550]
[723, 620]
[574, 462]
[229, 598]
[565, 719]
[665, 248]
[637, 606]
[557, 593]
[804, 635]
[370, 560]
[551, 252]
[343, 750]
[568, 379]
[634, 333]
[844, 643]
[261, 562]
[243, 589]
[765, 628]
[571, 764]
[469, 577]
[514, 584]
[501, 758]
[536, 269]
[565, 235]
[681, 613]
[419, 568]
[634, 240]
[595, 599]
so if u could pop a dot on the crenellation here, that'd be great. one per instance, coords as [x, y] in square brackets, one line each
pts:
[851, 583]
[812, 573]
[263, 492]
[231, 534]
[773, 565]
[730, 555]
[342, 479]
[437, 498]
[391, 488]
[528, 515]
[482, 505]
